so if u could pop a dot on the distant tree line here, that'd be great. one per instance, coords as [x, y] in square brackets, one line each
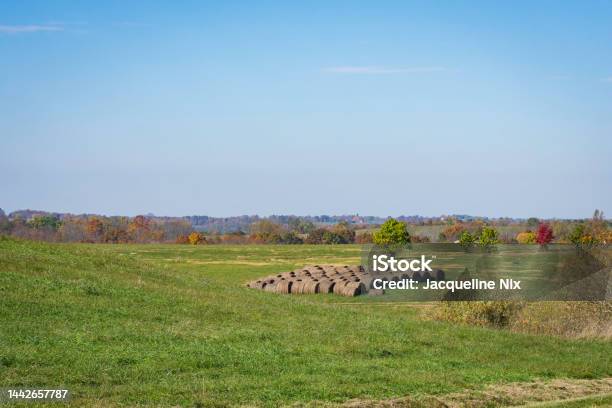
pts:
[292, 230]
[94, 229]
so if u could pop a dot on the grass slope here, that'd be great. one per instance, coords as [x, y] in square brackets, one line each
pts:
[174, 325]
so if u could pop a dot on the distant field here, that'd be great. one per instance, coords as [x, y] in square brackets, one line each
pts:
[169, 325]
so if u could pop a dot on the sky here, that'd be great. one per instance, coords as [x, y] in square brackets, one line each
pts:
[331, 107]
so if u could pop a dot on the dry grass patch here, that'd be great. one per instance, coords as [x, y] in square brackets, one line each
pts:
[500, 395]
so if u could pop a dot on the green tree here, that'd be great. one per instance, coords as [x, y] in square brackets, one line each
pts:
[488, 238]
[466, 240]
[392, 232]
[576, 235]
[49, 222]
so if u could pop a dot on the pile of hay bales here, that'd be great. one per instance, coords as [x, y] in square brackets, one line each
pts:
[344, 280]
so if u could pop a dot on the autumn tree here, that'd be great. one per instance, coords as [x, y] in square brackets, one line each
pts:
[73, 229]
[266, 232]
[452, 232]
[95, 228]
[544, 235]
[116, 230]
[597, 227]
[345, 234]
[364, 238]
[526, 237]
[196, 238]
[316, 236]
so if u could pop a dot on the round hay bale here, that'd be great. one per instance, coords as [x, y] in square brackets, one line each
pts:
[284, 286]
[270, 287]
[256, 284]
[353, 289]
[339, 288]
[298, 286]
[326, 286]
[311, 287]
[416, 275]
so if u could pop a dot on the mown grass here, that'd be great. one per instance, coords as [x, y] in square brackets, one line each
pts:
[174, 325]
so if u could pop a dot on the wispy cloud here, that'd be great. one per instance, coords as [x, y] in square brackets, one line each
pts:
[608, 79]
[30, 28]
[379, 70]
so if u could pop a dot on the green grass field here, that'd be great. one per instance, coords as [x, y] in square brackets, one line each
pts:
[172, 325]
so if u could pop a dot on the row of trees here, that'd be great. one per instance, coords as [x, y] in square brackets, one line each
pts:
[95, 229]
[144, 229]
[268, 232]
[595, 231]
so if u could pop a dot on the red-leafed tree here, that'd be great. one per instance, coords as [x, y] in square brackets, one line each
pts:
[544, 236]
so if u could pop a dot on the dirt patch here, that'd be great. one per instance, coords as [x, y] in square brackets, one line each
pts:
[500, 395]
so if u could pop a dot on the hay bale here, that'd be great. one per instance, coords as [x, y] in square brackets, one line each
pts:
[326, 286]
[317, 279]
[284, 286]
[311, 287]
[339, 287]
[330, 269]
[270, 287]
[298, 286]
[256, 284]
[353, 289]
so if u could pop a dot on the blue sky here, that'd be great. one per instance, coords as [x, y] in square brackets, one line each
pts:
[381, 108]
